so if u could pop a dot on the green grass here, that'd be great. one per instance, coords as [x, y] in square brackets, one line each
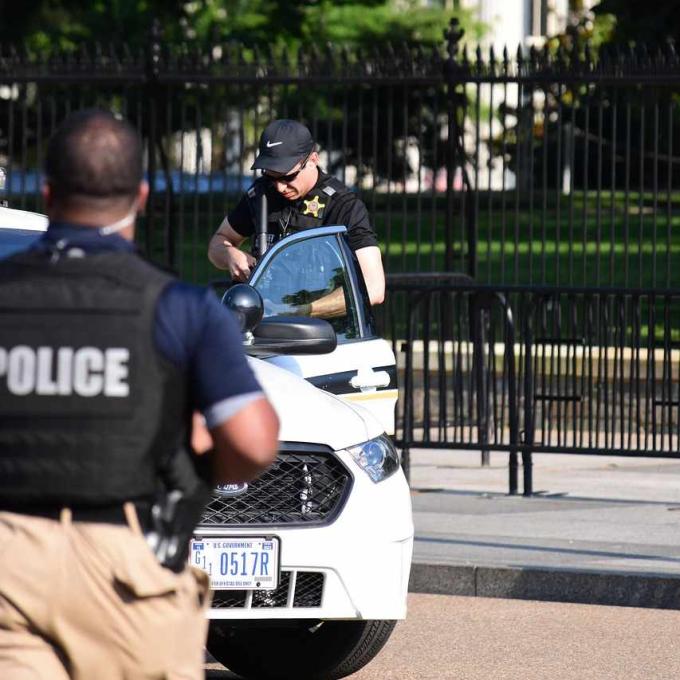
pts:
[577, 244]
[582, 240]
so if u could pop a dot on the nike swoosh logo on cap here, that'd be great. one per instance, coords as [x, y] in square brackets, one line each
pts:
[271, 144]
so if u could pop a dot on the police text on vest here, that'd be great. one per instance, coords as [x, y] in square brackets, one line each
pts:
[63, 371]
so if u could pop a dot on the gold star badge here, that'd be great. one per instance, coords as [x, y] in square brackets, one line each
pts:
[312, 207]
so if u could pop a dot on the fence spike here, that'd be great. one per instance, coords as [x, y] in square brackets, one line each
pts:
[479, 59]
[573, 55]
[269, 59]
[604, 59]
[418, 59]
[230, 54]
[436, 59]
[314, 60]
[223, 53]
[285, 59]
[12, 58]
[405, 56]
[670, 50]
[360, 61]
[257, 58]
[533, 58]
[659, 56]
[329, 53]
[520, 60]
[588, 57]
[453, 35]
[81, 55]
[301, 61]
[113, 56]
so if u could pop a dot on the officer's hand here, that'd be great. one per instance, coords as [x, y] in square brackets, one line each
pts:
[201, 441]
[238, 262]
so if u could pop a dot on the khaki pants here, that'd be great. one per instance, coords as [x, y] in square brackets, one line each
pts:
[89, 602]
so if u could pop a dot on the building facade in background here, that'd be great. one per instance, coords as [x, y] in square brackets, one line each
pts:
[526, 22]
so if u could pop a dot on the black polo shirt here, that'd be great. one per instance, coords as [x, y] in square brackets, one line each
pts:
[350, 212]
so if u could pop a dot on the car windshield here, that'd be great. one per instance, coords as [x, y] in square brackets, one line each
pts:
[13, 240]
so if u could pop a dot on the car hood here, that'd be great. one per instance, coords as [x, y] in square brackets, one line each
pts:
[22, 219]
[308, 414]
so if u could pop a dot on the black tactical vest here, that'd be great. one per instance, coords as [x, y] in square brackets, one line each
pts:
[89, 410]
[319, 208]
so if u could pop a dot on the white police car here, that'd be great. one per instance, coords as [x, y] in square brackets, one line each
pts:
[18, 228]
[310, 563]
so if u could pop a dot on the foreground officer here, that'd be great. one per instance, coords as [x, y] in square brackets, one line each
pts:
[299, 196]
[103, 360]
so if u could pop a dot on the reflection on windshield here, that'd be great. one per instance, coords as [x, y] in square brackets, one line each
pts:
[304, 296]
[14, 240]
[309, 271]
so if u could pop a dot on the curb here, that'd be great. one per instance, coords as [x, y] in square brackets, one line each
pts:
[548, 585]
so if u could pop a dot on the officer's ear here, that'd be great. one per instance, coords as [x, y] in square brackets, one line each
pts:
[46, 192]
[142, 195]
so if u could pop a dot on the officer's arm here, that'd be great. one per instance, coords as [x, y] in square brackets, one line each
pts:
[224, 253]
[326, 307]
[333, 304]
[370, 262]
[245, 444]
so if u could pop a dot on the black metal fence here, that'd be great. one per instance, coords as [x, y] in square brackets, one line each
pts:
[548, 180]
[530, 369]
[532, 168]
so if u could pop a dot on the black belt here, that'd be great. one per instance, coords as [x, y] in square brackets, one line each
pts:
[105, 514]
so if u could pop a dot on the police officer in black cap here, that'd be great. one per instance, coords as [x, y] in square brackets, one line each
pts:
[300, 195]
[104, 363]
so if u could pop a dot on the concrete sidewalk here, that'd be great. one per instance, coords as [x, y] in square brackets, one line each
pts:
[598, 530]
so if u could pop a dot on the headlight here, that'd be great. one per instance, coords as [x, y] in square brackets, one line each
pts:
[377, 457]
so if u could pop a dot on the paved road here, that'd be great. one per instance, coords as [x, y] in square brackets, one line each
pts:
[467, 638]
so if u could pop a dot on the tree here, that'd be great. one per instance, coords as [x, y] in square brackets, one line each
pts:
[641, 20]
[48, 26]
[63, 25]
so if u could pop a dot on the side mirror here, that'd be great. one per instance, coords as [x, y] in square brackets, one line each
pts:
[246, 304]
[292, 335]
[277, 334]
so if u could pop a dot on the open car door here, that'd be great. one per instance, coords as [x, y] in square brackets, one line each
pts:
[318, 264]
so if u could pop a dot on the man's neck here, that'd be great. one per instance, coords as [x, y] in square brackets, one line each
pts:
[316, 181]
[94, 221]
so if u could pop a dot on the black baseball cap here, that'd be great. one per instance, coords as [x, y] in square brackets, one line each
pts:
[283, 144]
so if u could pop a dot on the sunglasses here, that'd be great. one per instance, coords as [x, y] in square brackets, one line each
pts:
[286, 179]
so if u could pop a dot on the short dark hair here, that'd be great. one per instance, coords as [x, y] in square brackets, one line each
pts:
[94, 155]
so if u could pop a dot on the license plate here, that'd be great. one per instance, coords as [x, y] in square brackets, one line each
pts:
[244, 563]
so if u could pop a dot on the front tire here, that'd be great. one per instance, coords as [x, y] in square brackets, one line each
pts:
[308, 650]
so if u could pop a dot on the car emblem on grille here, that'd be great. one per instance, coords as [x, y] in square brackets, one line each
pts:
[231, 489]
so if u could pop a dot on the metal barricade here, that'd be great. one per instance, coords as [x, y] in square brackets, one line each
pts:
[527, 369]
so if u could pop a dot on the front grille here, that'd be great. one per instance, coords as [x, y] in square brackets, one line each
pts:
[303, 588]
[301, 487]
[308, 589]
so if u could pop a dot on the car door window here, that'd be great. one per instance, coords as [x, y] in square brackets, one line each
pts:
[305, 271]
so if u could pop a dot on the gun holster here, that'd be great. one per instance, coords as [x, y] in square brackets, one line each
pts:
[176, 512]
